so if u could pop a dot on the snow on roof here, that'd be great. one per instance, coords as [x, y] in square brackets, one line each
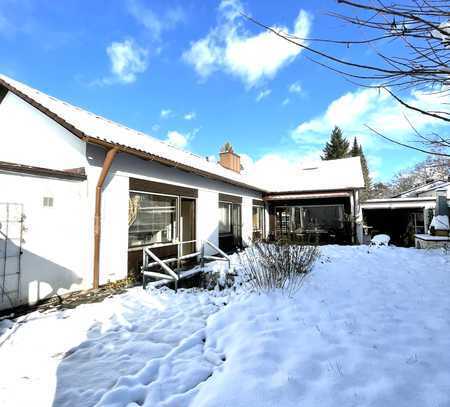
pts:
[345, 173]
[325, 175]
[420, 189]
[100, 128]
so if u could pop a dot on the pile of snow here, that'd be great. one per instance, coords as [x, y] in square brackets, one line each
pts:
[365, 329]
[381, 240]
[440, 222]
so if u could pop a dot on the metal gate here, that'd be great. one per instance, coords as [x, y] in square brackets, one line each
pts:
[11, 233]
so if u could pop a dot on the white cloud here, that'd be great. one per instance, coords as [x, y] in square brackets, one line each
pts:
[177, 139]
[377, 109]
[190, 116]
[127, 60]
[295, 87]
[271, 168]
[181, 140]
[153, 22]
[230, 47]
[166, 113]
[263, 94]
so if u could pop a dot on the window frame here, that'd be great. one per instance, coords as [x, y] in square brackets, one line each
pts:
[290, 213]
[176, 226]
[230, 214]
[262, 220]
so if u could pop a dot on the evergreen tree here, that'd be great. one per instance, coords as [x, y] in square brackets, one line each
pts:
[337, 147]
[367, 180]
[355, 151]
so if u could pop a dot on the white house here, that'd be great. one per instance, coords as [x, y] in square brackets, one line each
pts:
[81, 196]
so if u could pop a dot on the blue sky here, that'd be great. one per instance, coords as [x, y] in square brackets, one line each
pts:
[197, 74]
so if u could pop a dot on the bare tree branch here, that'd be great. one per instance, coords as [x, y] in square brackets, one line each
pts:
[411, 44]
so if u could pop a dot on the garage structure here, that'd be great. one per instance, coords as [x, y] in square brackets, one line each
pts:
[404, 215]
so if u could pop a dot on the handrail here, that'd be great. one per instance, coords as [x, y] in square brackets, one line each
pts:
[171, 274]
[217, 249]
[162, 264]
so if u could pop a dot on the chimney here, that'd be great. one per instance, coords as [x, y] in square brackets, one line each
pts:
[229, 159]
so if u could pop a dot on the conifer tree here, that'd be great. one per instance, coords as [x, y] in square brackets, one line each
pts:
[337, 147]
[367, 180]
[355, 151]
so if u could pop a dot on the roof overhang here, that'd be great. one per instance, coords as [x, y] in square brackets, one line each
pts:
[306, 195]
[399, 203]
[75, 174]
[170, 163]
[122, 148]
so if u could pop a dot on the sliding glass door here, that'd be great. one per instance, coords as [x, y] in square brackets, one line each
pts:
[258, 222]
[236, 224]
[230, 225]
[187, 225]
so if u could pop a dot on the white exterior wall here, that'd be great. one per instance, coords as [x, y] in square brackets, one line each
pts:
[54, 259]
[115, 202]
[358, 219]
[35, 139]
[208, 218]
[59, 241]
[114, 225]
[247, 225]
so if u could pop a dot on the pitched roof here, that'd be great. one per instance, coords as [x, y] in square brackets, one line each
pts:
[325, 175]
[422, 188]
[345, 173]
[97, 129]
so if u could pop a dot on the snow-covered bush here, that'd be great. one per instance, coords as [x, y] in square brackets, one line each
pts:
[269, 266]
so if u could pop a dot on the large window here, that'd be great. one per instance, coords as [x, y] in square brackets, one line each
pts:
[152, 219]
[258, 221]
[224, 217]
[324, 217]
[305, 219]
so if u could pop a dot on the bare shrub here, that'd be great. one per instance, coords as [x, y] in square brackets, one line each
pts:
[279, 265]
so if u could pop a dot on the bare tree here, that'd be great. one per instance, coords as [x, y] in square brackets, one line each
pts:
[411, 41]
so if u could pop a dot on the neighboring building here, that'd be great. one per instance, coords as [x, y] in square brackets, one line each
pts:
[81, 196]
[404, 215]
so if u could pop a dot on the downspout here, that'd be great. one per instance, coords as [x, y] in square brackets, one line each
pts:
[98, 212]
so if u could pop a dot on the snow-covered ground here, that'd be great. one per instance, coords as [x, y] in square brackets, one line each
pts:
[369, 327]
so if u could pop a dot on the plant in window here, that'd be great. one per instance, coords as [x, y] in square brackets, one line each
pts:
[133, 207]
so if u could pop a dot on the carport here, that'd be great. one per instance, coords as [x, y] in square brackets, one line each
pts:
[400, 218]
